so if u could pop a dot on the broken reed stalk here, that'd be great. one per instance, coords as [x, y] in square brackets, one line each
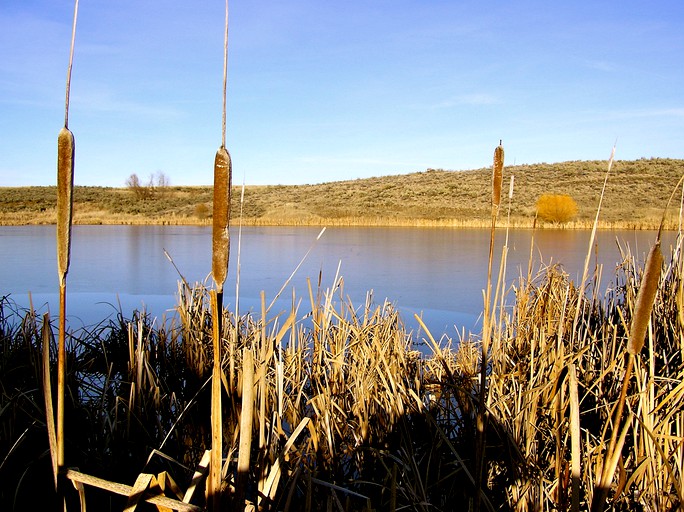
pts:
[219, 269]
[575, 438]
[497, 183]
[65, 188]
[246, 420]
[47, 392]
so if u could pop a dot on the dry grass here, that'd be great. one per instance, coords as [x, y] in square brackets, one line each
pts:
[346, 409]
[431, 198]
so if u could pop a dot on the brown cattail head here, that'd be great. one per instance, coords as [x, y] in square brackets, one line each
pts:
[645, 300]
[65, 187]
[497, 175]
[223, 171]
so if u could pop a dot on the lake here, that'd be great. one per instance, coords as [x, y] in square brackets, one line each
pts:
[437, 272]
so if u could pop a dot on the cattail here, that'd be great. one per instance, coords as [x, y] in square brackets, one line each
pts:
[497, 175]
[645, 300]
[223, 172]
[510, 187]
[65, 186]
[65, 203]
[220, 235]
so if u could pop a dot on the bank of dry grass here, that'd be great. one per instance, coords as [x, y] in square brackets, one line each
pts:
[432, 198]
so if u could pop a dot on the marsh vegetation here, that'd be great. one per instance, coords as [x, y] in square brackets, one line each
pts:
[347, 413]
[566, 400]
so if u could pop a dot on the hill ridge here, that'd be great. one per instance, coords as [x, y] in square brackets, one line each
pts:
[636, 195]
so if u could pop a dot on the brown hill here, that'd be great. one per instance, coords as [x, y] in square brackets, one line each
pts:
[636, 195]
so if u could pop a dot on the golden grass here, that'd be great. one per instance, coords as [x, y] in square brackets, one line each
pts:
[433, 198]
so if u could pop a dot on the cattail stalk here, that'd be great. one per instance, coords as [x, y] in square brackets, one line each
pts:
[219, 270]
[481, 421]
[65, 187]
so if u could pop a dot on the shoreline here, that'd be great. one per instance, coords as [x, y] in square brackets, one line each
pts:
[646, 225]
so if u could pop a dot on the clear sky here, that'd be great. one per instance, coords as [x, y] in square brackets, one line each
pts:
[325, 91]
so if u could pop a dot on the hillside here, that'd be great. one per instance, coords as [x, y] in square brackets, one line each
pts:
[636, 194]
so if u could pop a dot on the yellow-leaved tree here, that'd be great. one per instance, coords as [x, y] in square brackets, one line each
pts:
[556, 208]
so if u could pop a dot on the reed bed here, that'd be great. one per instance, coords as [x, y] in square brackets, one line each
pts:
[353, 412]
[565, 401]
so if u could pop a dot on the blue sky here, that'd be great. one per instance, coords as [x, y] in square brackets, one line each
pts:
[325, 91]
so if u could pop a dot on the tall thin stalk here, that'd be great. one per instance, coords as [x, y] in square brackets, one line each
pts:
[65, 187]
[497, 183]
[219, 270]
[592, 237]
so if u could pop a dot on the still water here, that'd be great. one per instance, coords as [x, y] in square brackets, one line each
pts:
[437, 272]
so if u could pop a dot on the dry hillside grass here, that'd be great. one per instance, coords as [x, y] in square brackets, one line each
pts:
[635, 197]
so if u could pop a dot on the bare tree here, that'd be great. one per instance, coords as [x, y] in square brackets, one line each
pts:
[163, 180]
[134, 184]
[162, 183]
[156, 185]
